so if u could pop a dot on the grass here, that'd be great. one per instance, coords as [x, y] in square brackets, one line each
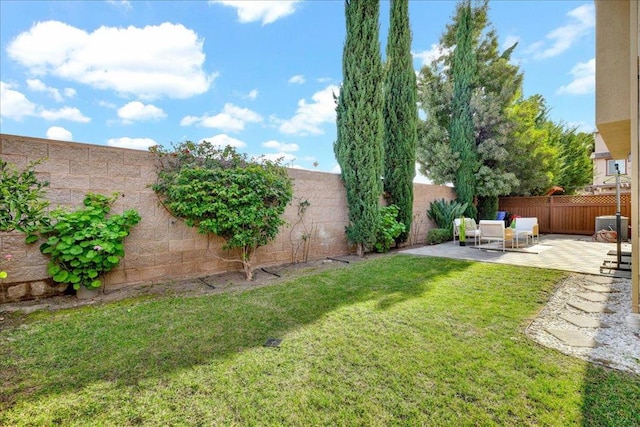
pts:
[398, 340]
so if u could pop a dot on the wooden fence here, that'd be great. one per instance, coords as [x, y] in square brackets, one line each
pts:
[567, 214]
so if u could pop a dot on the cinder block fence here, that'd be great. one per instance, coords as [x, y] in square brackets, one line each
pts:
[161, 247]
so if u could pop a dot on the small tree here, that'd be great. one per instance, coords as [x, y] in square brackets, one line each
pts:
[222, 192]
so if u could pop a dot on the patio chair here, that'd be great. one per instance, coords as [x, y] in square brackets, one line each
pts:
[470, 230]
[495, 231]
[527, 227]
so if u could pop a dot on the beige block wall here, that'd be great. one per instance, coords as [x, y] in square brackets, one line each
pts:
[161, 247]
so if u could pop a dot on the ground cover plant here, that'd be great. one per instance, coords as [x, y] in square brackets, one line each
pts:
[396, 340]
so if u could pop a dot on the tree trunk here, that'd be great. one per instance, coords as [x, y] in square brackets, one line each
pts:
[248, 273]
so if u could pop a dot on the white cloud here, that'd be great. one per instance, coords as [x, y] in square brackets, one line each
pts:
[260, 10]
[336, 169]
[136, 110]
[223, 140]
[297, 79]
[253, 94]
[124, 4]
[149, 62]
[134, 143]
[428, 56]
[232, 119]
[584, 79]
[37, 85]
[14, 104]
[281, 146]
[60, 134]
[310, 116]
[64, 113]
[581, 21]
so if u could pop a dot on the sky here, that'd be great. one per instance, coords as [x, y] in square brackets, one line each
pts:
[258, 75]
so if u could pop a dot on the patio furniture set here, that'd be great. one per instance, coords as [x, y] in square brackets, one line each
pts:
[519, 233]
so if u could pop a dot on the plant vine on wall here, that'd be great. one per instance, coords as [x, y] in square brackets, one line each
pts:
[84, 244]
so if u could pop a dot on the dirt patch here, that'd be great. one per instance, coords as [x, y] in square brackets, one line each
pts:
[225, 282]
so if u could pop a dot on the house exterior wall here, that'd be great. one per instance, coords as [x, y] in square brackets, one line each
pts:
[162, 247]
[617, 119]
[603, 181]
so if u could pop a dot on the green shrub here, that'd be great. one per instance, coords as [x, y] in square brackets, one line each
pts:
[85, 244]
[438, 235]
[443, 213]
[22, 204]
[388, 229]
[225, 193]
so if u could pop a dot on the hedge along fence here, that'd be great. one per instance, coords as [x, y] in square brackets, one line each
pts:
[162, 247]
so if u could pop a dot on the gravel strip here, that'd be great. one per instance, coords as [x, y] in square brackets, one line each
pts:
[620, 347]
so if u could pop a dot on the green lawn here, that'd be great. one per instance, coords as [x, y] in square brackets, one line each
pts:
[397, 340]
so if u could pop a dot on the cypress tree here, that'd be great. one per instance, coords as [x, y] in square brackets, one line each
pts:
[400, 116]
[360, 127]
[461, 131]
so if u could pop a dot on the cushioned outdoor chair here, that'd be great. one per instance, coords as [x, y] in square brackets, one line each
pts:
[527, 227]
[470, 229]
[495, 231]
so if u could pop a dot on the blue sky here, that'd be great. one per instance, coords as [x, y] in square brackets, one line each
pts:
[259, 75]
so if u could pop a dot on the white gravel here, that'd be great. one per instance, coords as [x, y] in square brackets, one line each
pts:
[620, 347]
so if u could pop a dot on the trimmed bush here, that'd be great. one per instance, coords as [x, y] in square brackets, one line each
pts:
[438, 235]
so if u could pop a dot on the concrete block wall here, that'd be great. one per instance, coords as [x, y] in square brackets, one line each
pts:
[161, 247]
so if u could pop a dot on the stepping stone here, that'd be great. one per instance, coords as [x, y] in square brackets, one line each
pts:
[574, 338]
[600, 280]
[583, 321]
[593, 296]
[590, 307]
[600, 288]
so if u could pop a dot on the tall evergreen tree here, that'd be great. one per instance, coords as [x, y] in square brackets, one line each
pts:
[360, 126]
[496, 85]
[461, 131]
[400, 116]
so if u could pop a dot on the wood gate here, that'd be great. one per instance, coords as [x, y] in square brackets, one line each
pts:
[567, 214]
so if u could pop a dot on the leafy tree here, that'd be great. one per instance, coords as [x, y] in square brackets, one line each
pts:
[400, 117]
[224, 193]
[22, 204]
[461, 130]
[575, 164]
[531, 148]
[494, 88]
[360, 127]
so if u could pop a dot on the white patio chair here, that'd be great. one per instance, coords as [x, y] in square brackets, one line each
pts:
[495, 231]
[471, 229]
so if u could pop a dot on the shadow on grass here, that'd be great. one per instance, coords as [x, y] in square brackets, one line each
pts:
[130, 341]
